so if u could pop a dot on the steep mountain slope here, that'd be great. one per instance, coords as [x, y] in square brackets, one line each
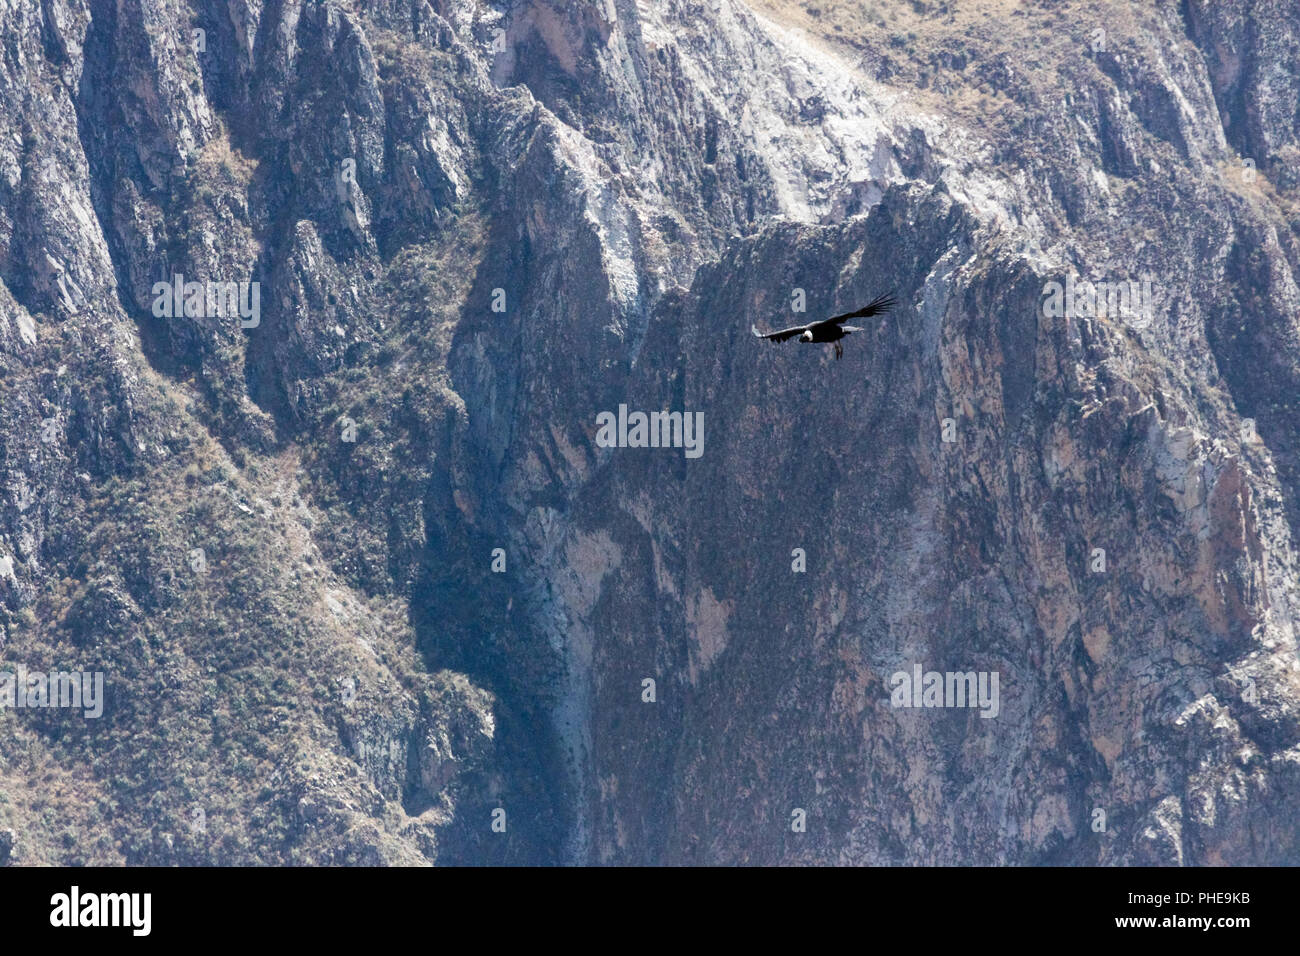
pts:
[358, 572]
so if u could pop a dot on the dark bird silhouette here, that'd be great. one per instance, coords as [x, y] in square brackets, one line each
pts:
[832, 329]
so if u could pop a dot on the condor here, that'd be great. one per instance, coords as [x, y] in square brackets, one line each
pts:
[832, 329]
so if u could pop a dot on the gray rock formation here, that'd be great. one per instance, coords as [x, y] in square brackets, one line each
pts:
[358, 574]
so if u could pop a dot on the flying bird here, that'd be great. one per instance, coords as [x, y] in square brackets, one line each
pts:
[832, 329]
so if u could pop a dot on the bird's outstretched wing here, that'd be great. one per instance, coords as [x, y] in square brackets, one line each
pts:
[876, 306]
[782, 335]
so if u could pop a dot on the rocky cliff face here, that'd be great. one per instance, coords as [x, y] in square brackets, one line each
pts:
[364, 581]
